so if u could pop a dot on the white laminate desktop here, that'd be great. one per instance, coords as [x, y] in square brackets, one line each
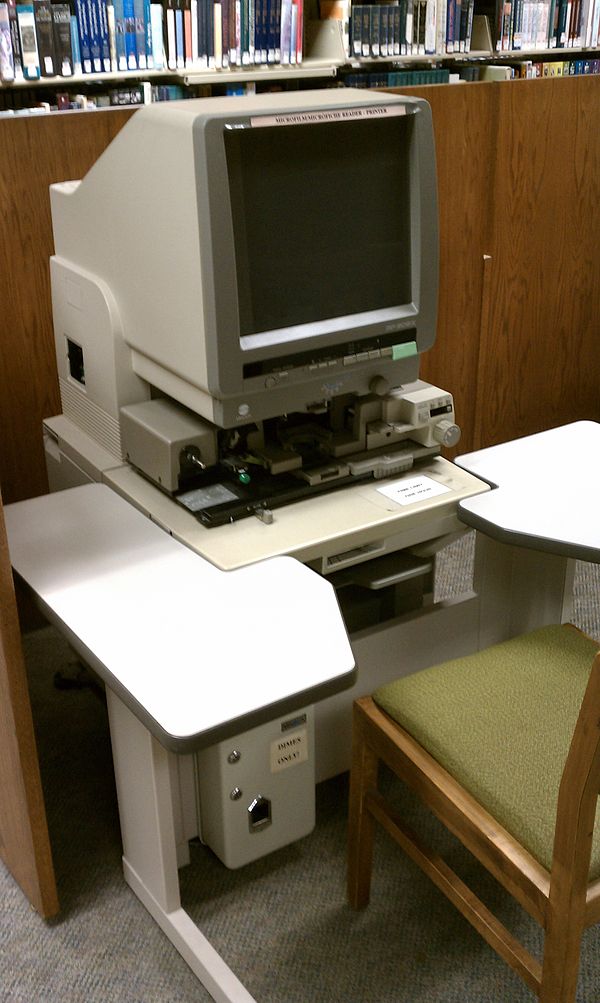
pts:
[195, 652]
[546, 491]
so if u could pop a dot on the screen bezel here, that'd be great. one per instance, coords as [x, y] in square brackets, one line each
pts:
[228, 351]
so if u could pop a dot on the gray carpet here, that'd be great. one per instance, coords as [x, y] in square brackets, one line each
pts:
[282, 923]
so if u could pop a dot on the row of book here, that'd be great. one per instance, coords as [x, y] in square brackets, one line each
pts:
[403, 78]
[568, 68]
[53, 38]
[441, 75]
[411, 27]
[25, 102]
[547, 24]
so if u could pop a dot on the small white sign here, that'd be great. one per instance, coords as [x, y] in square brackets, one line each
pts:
[413, 489]
[328, 115]
[289, 750]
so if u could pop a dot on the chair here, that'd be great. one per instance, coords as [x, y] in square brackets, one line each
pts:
[504, 747]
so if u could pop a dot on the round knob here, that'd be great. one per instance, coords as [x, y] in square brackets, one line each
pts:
[446, 433]
[379, 385]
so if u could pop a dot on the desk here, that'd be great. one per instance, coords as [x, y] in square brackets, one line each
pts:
[547, 491]
[541, 516]
[189, 655]
[87, 553]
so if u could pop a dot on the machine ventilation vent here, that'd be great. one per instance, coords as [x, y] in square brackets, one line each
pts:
[91, 419]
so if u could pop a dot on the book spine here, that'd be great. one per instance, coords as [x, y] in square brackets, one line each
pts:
[300, 31]
[104, 34]
[355, 31]
[156, 22]
[140, 34]
[403, 27]
[395, 29]
[364, 30]
[422, 26]
[294, 34]
[384, 31]
[286, 31]
[412, 21]
[28, 40]
[210, 33]
[224, 4]
[179, 35]
[129, 25]
[42, 15]
[188, 40]
[237, 38]
[94, 36]
[61, 19]
[251, 31]
[201, 33]
[112, 39]
[148, 29]
[373, 31]
[273, 54]
[7, 62]
[170, 34]
[120, 51]
[218, 33]
[430, 27]
[268, 27]
[450, 12]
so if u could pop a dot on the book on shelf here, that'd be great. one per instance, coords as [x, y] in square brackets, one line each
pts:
[15, 39]
[44, 30]
[63, 45]
[69, 37]
[541, 25]
[7, 62]
[410, 28]
[28, 40]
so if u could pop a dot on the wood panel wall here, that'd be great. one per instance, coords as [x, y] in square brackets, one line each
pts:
[464, 121]
[518, 170]
[540, 344]
[34, 153]
[24, 842]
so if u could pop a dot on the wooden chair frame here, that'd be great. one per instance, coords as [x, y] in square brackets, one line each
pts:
[562, 900]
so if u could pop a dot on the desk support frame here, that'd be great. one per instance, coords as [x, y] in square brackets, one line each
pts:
[519, 589]
[145, 798]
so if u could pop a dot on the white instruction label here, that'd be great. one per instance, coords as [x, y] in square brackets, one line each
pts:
[289, 750]
[413, 489]
[328, 115]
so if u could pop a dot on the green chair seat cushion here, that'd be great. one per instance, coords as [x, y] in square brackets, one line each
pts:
[500, 722]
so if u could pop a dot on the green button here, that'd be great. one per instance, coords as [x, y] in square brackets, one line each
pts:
[404, 351]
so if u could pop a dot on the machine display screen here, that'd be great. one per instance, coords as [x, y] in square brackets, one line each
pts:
[318, 235]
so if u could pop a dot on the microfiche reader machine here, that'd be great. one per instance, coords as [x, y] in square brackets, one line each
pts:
[242, 288]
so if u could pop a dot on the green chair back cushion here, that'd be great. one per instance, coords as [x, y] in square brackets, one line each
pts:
[500, 721]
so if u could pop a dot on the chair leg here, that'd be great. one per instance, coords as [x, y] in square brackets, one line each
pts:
[562, 948]
[363, 777]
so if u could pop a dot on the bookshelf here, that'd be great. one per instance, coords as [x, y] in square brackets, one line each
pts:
[519, 301]
[350, 47]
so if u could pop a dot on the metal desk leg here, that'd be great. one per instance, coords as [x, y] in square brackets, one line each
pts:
[149, 848]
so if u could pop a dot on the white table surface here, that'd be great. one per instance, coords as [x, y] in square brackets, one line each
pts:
[197, 653]
[546, 491]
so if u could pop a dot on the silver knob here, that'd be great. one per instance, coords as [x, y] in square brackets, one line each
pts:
[446, 433]
[379, 386]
